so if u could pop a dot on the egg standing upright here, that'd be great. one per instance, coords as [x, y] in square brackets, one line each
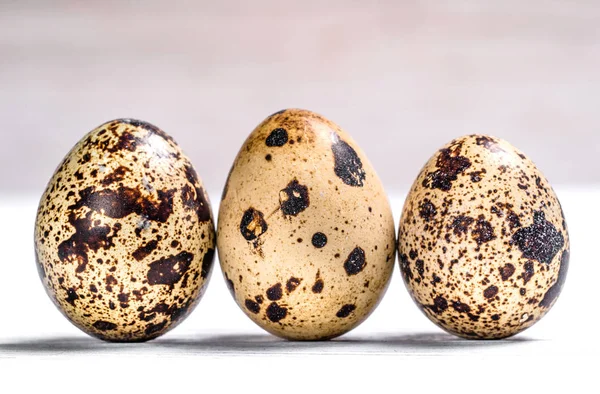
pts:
[124, 235]
[483, 242]
[306, 237]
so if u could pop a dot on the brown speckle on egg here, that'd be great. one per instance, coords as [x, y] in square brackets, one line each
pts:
[319, 240]
[348, 166]
[294, 198]
[275, 313]
[345, 311]
[275, 292]
[277, 137]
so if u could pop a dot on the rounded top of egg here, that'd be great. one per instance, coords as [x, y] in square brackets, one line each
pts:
[306, 236]
[124, 234]
[483, 243]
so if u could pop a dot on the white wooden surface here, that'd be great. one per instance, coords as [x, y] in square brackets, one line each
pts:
[218, 348]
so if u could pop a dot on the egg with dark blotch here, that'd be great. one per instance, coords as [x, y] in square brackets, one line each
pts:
[306, 237]
[124, 235]
[483, 242]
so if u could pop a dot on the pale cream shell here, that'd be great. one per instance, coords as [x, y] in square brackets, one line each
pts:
[351, 216]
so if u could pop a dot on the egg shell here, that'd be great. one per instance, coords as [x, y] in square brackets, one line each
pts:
[124, 235]
[483, 243]
[306, 237]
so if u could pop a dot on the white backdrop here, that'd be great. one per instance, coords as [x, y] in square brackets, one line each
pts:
[402, 77]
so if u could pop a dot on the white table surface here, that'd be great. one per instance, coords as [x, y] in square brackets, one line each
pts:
[219, 348]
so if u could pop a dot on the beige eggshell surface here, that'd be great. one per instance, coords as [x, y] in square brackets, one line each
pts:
[306, 236]
[483, 243]
[124, 235]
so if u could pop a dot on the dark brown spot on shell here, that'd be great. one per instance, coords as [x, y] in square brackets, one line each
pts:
[175, 312]
[522, 291]
[541, 241]
[127, 141]
[319, 240]
[125, 201]
[507, 271]
[292, 284]
[275, 292]
[405, 268]
[450, 164]
[230, 285]
[275, 313]
[144, 250]
[253, 224]
[483, 231]
[440, 304]
[348, 166]
[169, 270]
[528, 271]
[345, 311]
[490, 292]
[277, 137]
[294, 198]
[318, 286]
[152, 328]
[464, 308]
[87, 236]
[355, 262]
[420, 266]
[72, 296]
[460, 307]
[193, 197]
[489, 143]
[513, 220]
[110, 282]
[123, 299]
[104, 325]
[460, 224]
[477, 175]
[252, 306]
[116, 176]
[427, 210]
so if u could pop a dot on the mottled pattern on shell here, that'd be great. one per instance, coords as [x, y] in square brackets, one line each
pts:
[306, 234]
[483, 243]
[124, 235]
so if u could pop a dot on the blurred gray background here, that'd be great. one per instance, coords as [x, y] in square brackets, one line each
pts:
[402, 77]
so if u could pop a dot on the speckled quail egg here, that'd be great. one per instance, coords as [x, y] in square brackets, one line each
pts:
[306, 237]
[483, 243]
[124, 235]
